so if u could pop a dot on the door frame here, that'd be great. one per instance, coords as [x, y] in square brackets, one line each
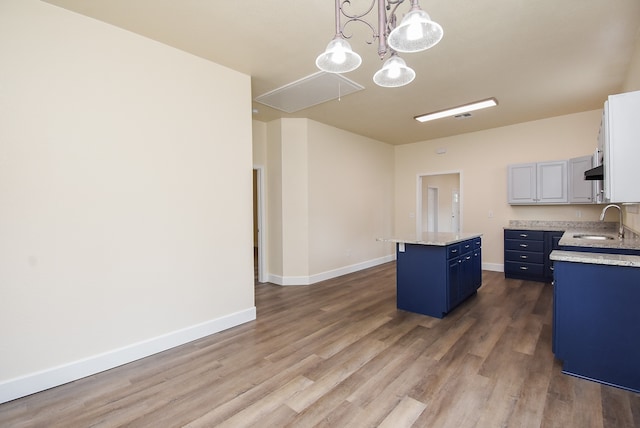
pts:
[419, 176]
[260, 186]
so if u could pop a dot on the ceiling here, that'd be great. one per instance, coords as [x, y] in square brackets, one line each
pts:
[539, 58]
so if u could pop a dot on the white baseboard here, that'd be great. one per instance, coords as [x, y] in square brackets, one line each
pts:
[495, 267]
[56, 376]
[323, 276]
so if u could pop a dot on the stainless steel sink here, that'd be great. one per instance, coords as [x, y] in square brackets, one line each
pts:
[591, 236]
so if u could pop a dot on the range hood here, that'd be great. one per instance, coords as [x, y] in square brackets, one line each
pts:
[596, 173]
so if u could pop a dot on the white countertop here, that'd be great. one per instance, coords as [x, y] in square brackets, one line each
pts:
[434, 238]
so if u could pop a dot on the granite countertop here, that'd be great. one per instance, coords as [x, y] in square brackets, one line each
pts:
[435, 238]
[591, 226]
[595, 258]
[629, 242]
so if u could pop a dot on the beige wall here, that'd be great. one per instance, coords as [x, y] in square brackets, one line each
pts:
[329, 196]
[482, 159]
[350, 198]
[125, 187]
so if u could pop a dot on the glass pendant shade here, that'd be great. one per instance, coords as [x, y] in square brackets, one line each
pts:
[394, 73]
[415, 33]
[338, 57]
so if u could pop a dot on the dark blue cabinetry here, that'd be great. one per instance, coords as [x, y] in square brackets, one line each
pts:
[432, 280]
[526, 254]
[596, 323]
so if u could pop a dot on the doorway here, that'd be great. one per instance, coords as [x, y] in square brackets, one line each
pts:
[258, 225]
[432, 209]
[439, 203]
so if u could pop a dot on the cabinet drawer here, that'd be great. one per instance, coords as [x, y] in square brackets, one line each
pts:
[466, 246]
[453, 251]
[524, 257]
[477, 243]
[533, 235]
[524, 268]
[520, 245]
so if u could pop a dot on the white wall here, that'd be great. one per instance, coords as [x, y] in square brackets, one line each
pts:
[125, 195]
[482, 157]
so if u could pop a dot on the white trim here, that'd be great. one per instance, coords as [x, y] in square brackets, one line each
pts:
[56, 376]
[494, 267]
[323, 276]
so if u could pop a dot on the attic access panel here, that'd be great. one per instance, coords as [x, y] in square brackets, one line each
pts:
[309, 91]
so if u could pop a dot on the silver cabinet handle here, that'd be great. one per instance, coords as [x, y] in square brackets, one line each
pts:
[454, 251]
[524, 245]
[524, 268]
[523, 257]
[523, 235]
[468, 258]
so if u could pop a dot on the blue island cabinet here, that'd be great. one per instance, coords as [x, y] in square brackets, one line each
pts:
[434, 279]
[596, 323]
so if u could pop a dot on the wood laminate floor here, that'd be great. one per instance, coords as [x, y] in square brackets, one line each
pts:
[339, 354]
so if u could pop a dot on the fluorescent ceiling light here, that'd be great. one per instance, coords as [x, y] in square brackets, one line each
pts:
[491, 102]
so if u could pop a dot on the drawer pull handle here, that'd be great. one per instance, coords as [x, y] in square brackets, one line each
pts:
[524, 245]
[523, 257]
[523, 235]
[454, 251]
[468, 258]
[524, 268]
[467, 246]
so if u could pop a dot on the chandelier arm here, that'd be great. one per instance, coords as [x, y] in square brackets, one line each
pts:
[356, 16]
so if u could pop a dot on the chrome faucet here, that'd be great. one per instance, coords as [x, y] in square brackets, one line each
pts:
[621, 229]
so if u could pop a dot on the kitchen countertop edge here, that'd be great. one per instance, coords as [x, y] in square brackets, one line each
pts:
[440, 239]
[595, 258]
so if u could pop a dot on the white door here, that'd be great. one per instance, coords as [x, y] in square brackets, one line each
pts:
[455, 211]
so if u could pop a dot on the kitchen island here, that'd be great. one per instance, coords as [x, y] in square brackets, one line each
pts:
[437, 272]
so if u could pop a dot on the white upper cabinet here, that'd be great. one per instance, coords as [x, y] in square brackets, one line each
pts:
[620, 141]
[581, 191]
[522, 183]
[538, 183]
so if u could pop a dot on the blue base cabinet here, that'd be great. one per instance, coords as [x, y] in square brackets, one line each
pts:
[596, 323]
[526, 254]
[432, 280]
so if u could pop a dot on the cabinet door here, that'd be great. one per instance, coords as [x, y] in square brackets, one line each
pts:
[621, 148]
[521, 183]
[453, 285]
[552, 182]
[580, 190]
[466, 276]
[477, 268]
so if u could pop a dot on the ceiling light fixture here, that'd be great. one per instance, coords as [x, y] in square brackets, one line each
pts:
[477, 105]
[416, 32]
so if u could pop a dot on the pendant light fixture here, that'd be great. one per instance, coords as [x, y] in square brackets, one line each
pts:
[416, 32]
